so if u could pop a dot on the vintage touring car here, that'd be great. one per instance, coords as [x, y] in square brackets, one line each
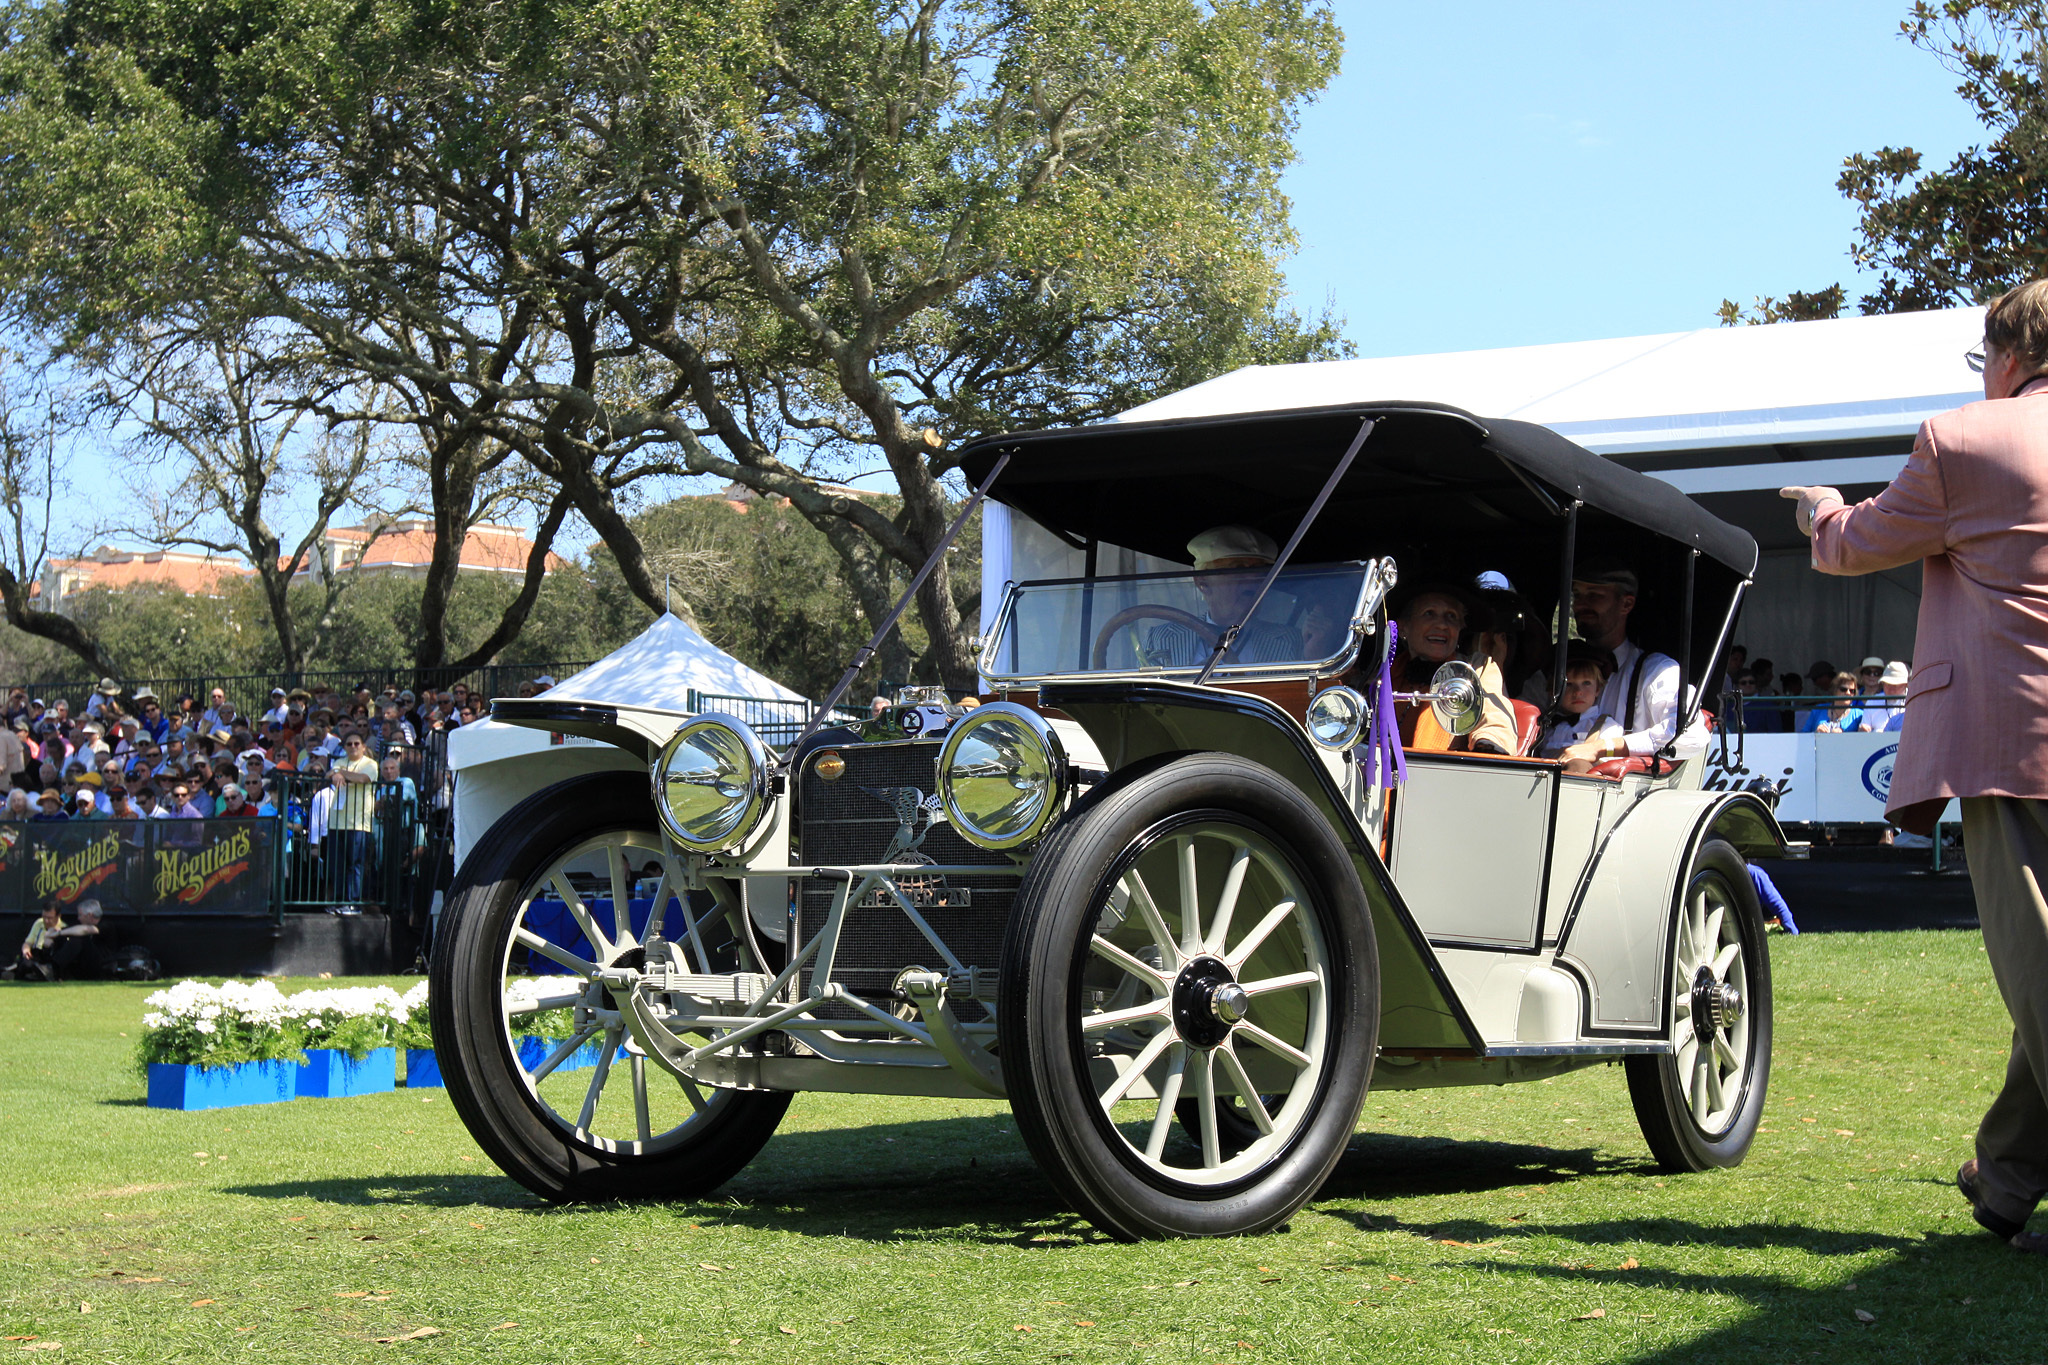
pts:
[1178, 898]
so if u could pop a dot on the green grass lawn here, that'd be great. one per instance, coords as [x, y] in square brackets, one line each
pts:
[1522, 1223]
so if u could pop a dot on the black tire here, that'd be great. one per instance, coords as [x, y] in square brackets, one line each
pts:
[1667, 1090]
[488, 1085]
[1054, 977]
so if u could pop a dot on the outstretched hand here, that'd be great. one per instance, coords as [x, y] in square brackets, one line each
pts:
[1809, 500]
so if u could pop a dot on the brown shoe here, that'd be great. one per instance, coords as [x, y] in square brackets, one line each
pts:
[2003, 1228]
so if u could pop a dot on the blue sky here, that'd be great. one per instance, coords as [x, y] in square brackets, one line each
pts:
[1494, 174]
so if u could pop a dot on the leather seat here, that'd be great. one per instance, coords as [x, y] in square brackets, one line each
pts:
[1528, 726]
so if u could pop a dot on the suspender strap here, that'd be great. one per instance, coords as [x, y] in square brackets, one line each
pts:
[1635, 680]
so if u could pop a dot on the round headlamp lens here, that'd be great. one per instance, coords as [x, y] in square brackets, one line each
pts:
[711, 783]
[1336, 718]
[1002, 776]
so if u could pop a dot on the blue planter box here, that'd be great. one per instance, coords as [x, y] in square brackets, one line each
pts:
[329, 1074]
[534, 1051]
[172, 1086]
[421, 1070]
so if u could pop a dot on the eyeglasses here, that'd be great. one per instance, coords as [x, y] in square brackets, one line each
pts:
[1846, 687]
[1974, 358]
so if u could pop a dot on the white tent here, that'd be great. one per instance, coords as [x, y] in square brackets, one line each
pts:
[499, 765]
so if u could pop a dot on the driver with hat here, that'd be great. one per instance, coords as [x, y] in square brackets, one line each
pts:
[1225, 599]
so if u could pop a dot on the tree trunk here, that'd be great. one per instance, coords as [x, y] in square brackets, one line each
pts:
[514, 620]
[49, 625]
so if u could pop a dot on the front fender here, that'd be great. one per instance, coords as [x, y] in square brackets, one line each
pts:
[1128, 722]
[1617, 938]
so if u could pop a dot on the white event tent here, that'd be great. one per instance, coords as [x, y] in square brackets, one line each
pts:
[1726, 414]
[667, 667]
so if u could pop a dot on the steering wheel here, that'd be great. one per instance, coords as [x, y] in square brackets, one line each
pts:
[1208, 634]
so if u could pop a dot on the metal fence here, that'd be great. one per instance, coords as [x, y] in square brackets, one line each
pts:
[360, 847]
[1789, 715]
[776, 721]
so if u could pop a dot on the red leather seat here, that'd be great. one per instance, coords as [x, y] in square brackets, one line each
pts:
[1528, 726]
[1616, 767]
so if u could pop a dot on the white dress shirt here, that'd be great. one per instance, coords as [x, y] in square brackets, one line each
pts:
[1656, 709]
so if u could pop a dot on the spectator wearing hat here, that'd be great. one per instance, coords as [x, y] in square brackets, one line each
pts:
[1890, 714]
[102, 696]
[279, 708]
[1868, 676]
[543, 683]
[353, 777]
[50, 805]
[119, 807]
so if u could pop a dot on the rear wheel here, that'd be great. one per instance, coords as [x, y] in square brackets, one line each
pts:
[535, 1051]
[1195, 933]
[1699, 1105]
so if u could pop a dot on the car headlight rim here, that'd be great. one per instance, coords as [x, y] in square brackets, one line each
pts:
[1043, 775]
[724, 756]
[1326, 722]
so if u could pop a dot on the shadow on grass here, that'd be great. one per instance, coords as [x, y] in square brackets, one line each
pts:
[964, 1178]
[451, 1191]
[1391, 1165]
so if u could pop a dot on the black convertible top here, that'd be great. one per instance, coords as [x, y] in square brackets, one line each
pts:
[1428, 473]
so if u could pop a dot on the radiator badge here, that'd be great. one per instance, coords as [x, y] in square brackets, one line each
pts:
[915, 814]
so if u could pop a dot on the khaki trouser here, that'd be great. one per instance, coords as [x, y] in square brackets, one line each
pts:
[2007, 842]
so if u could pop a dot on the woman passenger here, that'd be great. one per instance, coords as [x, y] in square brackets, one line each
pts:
[1431, 625]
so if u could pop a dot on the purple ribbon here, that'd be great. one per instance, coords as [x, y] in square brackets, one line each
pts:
[1385, 764]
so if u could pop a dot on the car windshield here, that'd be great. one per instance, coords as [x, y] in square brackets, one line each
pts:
[1168, 624]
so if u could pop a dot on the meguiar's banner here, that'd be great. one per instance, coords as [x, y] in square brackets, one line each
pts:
[139, 866]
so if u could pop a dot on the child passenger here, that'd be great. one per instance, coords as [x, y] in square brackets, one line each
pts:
[1586, 671]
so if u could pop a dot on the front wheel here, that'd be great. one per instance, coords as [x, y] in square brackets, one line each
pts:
[535, 1050]
[1699, 1105]
[1191, 941]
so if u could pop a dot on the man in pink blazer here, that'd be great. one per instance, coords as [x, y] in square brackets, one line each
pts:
[1972, 506]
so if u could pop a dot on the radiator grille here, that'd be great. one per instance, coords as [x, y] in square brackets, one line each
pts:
[846, 822]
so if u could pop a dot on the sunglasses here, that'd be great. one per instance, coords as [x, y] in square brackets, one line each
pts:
[1974, 358]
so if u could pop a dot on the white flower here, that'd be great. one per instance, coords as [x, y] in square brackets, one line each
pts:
[205, 1026]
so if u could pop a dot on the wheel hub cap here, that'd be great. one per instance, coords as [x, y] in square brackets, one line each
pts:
[1715, 1004]
[1207, 1001]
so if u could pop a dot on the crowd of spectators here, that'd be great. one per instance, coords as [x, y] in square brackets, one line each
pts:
[315, 756]
[1829, 700]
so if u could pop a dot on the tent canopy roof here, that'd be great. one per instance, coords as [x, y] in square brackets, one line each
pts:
[1836, 380]
[661, 666]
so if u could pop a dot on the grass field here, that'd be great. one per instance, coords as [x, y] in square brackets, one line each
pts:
[1516, 1224]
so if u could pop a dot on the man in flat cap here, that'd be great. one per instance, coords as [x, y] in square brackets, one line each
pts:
[1225, 599]
[1643, 691]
